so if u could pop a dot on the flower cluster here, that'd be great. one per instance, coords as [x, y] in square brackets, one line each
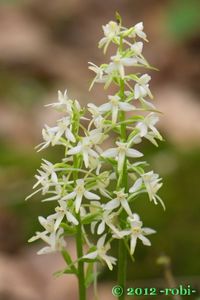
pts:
[96, 185]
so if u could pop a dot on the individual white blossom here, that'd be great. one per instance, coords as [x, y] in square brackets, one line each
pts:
[108, 218]
[98, 120]
[63, 211]
[111, 32]
[147, 123]
[64, 127]
[119, 62]
[114, 106]
[141, 88]
[101, 253]
[85, 146]
[138, 31]
[101, 76]
[49, 137]
[120, 200]
[64, 104]
[152, 183]
[120, 153]
[137, 48]
[138, 232]
[79, 192]
[55, 242]
[48, 223]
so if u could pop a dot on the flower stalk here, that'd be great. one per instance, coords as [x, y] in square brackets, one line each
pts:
[81, 183]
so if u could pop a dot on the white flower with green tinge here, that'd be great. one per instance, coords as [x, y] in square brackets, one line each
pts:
[63, 211]
[64, 127]
[49, 137]
[79, 192]
[138, 232]
[120, 153]
[111, 32]
[147, 123]
[114, 106]
[152, 184]
[55, 241]
[50, 170]
[121, 200]
[138, 31]
[100, 77]
[141, 88]
[97, 118]
[64, 104]
[107, 218]
[137, 48]
[48, 223]
[85, 146]
[119, 62]
[49, 226]
[101, 253]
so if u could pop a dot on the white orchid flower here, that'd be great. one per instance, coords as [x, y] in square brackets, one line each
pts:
[62, 211]
[138, 232]
[148, 123]
[80, 192]
[119, 62]
[49, 137]
[100, 77]
[152, 184]
[123, 150]
[85, 146]
[141, 88]
[138, 31]
[111, 32]
[120, 200]
[63, 127]
[114, 106]
[55, 242]
[46, 177]
[107, 218]
[100, 252]
[137, 48]
[97, 118]
[64, 104]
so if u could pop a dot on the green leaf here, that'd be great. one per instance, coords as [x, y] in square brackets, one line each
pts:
[67, 257]
[68, 229]
[65, 271]
[89, 277]
[70, 271]
[70, 263]
[90, 218]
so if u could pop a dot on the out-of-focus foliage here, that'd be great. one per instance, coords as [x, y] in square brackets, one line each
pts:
[183, 18]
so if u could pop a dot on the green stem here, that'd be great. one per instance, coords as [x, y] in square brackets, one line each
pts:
[79, 233]
[79, 249]
[122, 183]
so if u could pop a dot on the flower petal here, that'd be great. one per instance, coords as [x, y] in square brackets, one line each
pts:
[124, 106]
[133, 153]
[133, 244]
[112, 204]
[112, 152]
[137, 185]
[91, 196]
[144, 240]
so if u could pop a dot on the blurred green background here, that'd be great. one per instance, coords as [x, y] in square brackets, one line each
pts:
[45, 47]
